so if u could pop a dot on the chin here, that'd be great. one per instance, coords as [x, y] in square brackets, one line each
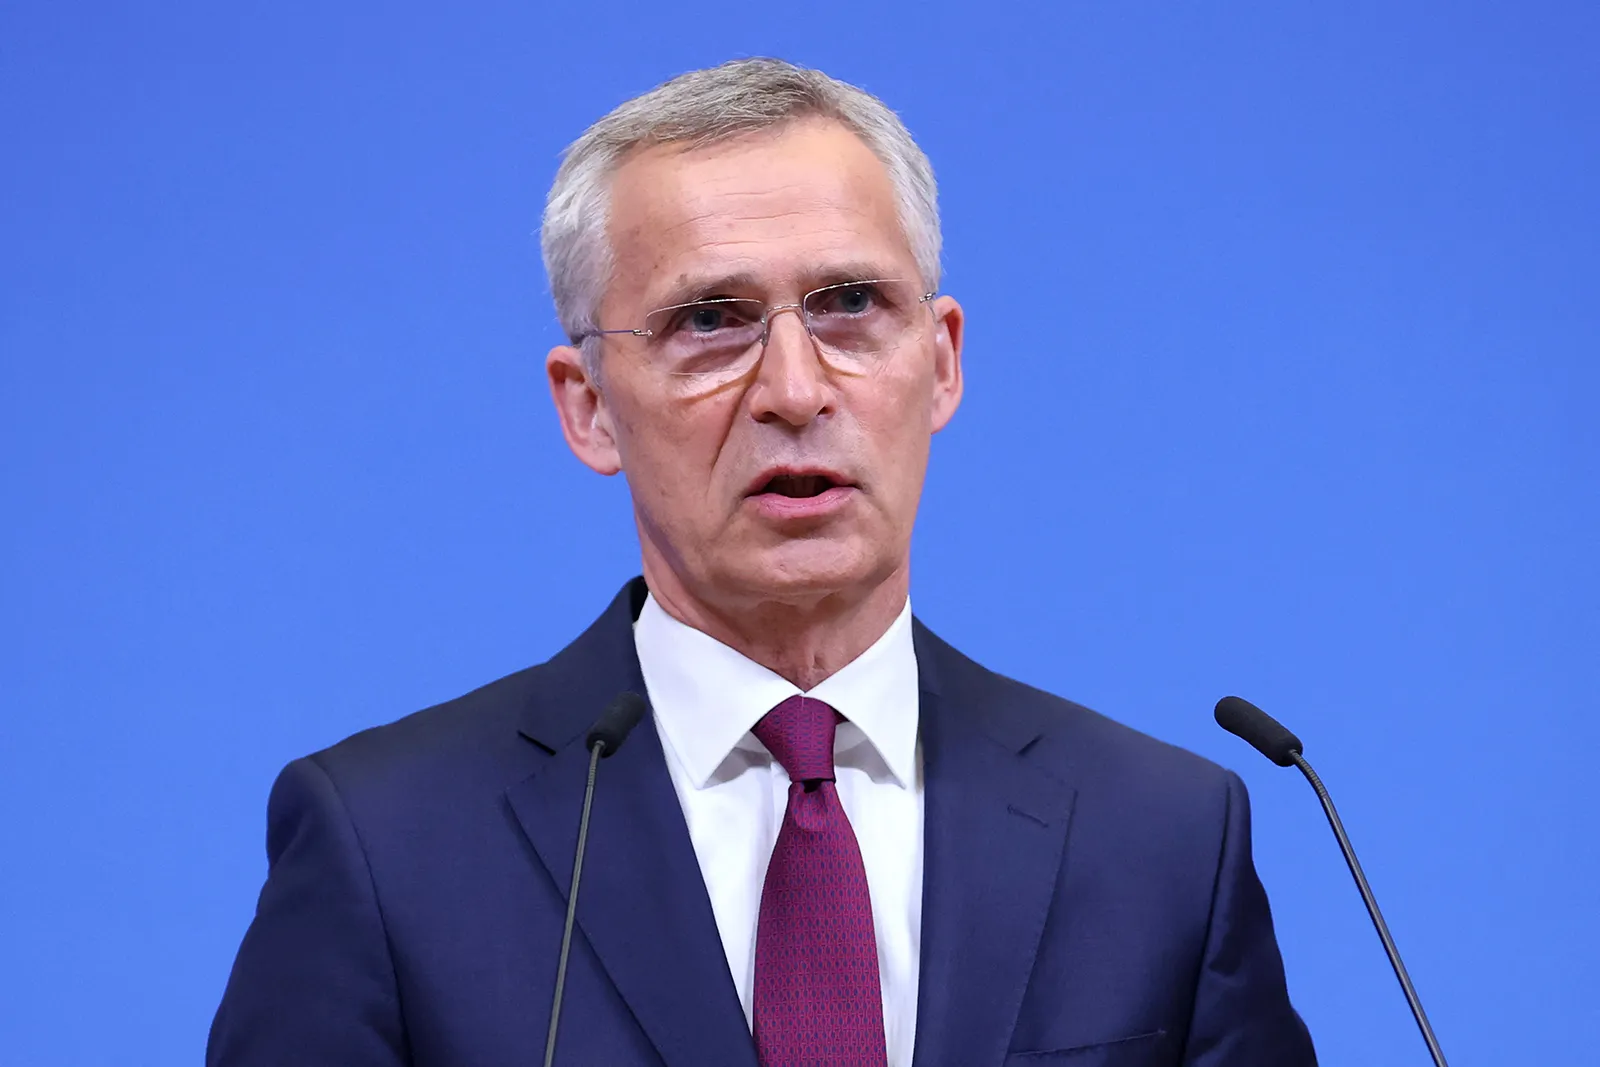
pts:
[804, 571]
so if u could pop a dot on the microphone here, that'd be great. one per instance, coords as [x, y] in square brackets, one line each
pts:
[605, 737]
[1275, 741]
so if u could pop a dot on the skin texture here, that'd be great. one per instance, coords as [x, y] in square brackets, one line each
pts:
[771, 216]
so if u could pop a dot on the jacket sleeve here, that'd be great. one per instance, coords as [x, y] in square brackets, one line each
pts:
[1242, 1015]
[314, 983]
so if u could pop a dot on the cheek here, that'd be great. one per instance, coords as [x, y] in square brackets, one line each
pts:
[898, 424]
[669, 449]
[902, 411]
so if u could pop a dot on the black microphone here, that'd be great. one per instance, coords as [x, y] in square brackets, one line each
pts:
[1273, 740]
[605, 737]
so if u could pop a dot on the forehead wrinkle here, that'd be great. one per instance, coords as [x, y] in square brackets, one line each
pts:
[715, 241]
[697, 284]
[711, 213]
[833, 250]
[684, 199]
[711, 221]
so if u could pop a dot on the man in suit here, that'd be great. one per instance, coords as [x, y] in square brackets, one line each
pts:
[837, 840]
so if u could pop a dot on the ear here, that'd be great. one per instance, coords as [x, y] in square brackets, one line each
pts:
[581, 407]
[947, 382]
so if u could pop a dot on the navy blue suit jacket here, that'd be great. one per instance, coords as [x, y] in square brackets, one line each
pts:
[1089, 896]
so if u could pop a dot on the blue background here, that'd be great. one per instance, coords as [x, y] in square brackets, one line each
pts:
[1282, 380]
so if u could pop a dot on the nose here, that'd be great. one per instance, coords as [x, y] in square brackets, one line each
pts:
[790, 385]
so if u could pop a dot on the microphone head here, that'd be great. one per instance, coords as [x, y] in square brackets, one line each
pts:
[616, 723]
[1266, 735]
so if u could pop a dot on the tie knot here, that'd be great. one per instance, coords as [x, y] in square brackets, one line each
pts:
[799, 734]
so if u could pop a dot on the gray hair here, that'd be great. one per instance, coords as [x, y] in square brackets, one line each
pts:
[700, 108]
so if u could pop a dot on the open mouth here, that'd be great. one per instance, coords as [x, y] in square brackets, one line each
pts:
[799, 486]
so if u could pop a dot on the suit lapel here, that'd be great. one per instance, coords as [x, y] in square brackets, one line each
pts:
[995, 836]
[994, 841]
[643, 907]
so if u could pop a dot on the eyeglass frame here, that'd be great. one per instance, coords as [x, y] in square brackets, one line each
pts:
[768, 311]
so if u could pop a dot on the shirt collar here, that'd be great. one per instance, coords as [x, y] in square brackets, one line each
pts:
[706, 696]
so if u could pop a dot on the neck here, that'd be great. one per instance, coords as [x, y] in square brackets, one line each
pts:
[803, 640]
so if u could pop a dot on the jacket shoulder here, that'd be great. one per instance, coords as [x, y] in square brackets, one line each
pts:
[467, 738]
[492, 736]
[1076, 741]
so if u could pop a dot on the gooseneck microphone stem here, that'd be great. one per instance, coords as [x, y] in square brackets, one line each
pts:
[607, 735]
[1275, 741]
[1371, 902]
[595, 751]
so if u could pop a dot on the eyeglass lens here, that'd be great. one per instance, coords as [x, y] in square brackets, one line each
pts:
[855, 324]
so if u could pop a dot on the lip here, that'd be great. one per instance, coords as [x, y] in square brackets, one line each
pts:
[779, 507]
[760, 480]
[824, 504]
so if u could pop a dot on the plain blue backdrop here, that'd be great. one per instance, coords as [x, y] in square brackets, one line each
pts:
[1282, 380]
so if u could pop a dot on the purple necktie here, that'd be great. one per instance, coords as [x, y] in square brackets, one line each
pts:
[817, 999]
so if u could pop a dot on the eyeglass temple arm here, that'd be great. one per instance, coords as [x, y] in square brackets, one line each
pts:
[582, 337]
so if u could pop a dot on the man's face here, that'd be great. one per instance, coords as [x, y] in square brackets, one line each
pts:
[797, 481]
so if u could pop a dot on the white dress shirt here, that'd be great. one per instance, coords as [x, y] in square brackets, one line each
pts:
[705, 698]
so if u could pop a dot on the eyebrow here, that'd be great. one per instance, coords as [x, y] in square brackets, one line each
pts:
[691, 288]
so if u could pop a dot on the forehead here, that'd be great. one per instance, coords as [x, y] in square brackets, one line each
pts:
[780, 205]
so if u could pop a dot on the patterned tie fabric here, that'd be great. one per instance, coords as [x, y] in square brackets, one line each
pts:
[817, 998]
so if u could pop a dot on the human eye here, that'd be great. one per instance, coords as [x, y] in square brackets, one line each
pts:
[852, 300]
[709, 319]
[707, 336]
